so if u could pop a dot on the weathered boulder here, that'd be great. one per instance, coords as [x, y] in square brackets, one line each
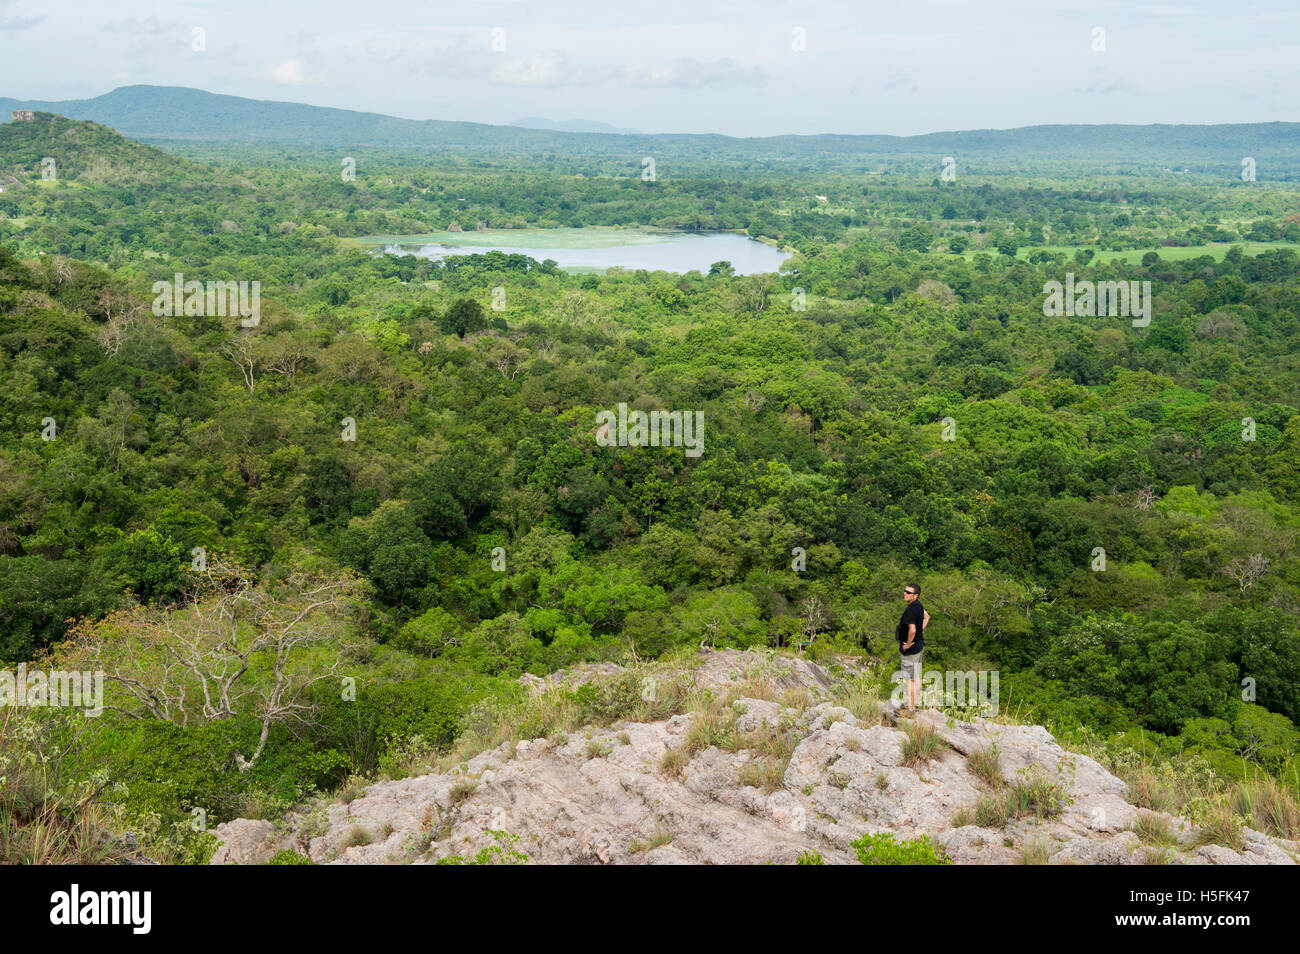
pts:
[244, 841]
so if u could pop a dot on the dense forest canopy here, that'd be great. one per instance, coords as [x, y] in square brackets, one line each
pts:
[1106, 512]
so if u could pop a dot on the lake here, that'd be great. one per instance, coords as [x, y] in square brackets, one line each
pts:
[595, 249]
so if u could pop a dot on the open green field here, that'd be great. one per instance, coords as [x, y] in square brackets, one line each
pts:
[1172, 253]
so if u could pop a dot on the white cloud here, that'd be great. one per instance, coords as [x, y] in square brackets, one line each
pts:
[543, 70]
[291, 73]
[11, 22]
[901, 84]
[688, 73]
[146, 26]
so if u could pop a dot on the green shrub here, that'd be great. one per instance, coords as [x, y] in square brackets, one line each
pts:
[166, 770]
[368, 731]
[430, 633]
[287, 857]
[50, 813]
[502, 853]
[884, 849]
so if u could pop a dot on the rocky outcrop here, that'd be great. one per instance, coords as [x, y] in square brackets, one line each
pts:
[244, 841]
[649, 793]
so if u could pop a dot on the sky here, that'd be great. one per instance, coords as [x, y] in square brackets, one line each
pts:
[737, 67]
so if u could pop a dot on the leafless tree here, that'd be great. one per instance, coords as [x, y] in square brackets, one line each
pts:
[239, 349]
[239, 648]
[574, 308]
[287, 355]
[754, 293]
[1248, 570]
[61, 269]
[507, 366]
[815, 617]
[123, 313]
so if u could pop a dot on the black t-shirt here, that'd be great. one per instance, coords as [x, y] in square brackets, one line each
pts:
[914, 614]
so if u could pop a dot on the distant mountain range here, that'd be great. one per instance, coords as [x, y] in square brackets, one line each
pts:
[574, 126]
[173, 113]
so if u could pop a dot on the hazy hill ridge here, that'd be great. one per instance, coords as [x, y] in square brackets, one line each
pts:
[179, 113]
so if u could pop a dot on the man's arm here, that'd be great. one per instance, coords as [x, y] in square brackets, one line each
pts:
[926, 621]
[911, 636]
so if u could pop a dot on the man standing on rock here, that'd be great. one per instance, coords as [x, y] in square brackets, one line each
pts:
[911, 640]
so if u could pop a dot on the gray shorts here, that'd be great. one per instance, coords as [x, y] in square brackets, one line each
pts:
[910, 665]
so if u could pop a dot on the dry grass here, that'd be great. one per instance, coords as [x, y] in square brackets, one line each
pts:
[770, 751]
[763, 773]
[1267, 806]
[759, 685]
[356, 836]
[986, 765]
[1220, 808]
[657, 840]
[1148, 789]
[799, 698]
[674, 761]
[641, 693]
[463, 789]
[47, 817]
[1036, 851]
[1154, 830]
[712, 725]
[1032, 796]
[862, 698]
[1220, 826]
[923, 744]
[351, 789]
